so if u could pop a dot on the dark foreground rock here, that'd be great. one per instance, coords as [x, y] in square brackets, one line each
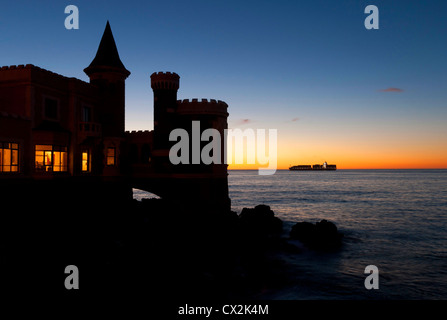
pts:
[159, 247]
[320, 236]
[260, 221]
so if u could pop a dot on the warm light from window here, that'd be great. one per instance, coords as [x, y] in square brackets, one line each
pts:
[9, 157]
[111, 156]
[50, 158]
[85, 161]
[60, 161]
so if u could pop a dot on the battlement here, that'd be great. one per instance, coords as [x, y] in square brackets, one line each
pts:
[204, 106]
[30, 66]
[137, 132]
[165, 80]
[139, 137]
[202, 101]
[46, 74]
[20, 66]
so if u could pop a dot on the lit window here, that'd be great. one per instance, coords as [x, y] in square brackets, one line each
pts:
[50, 158]
[60, 159]
[111, 156]
[9, 157]
[85, 161]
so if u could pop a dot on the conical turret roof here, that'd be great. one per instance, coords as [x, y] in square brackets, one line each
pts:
[107, 56]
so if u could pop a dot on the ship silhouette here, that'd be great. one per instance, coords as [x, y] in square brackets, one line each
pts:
[323, 166]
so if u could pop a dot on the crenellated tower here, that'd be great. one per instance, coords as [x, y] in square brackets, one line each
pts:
[202, 183]
[165, 86]
[212, 114]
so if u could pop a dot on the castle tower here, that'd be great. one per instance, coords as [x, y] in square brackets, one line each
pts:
[208, 180]
[195, 179]
[165, 86]
[212, 114]
[108, 73]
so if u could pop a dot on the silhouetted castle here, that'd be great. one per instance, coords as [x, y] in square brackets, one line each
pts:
[64, 130]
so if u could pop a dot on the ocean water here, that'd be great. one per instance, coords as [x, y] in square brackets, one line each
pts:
[393, 219]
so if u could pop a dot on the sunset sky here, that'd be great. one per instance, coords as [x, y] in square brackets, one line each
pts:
[335, 91]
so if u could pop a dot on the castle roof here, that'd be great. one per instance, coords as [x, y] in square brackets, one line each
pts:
[107, 56]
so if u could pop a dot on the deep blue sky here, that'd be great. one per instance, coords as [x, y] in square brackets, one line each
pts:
[308, 68]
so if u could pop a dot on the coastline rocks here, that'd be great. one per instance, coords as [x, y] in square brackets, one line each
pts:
[320, 236]
[260, 221]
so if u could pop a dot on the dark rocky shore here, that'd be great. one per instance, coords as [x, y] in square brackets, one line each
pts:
[154, 247]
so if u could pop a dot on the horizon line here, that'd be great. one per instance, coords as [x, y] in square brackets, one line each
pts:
[347, 169]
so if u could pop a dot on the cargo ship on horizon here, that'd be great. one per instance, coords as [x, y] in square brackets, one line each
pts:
[323, 166]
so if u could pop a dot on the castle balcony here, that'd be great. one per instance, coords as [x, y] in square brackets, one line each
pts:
[89, 129]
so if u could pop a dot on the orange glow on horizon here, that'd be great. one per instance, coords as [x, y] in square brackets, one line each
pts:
[342, 167]
[386, 145]
[418, 157]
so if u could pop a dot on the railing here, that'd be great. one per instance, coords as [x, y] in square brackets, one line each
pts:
[90, 129]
